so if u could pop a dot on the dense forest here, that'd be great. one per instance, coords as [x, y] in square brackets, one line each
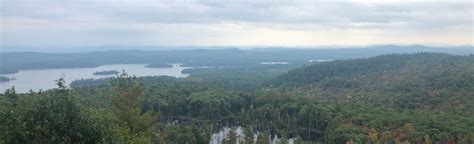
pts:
[394, 98]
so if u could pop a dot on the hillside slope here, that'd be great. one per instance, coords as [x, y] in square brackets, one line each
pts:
[423, 80]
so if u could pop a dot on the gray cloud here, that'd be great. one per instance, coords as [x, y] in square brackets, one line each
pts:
[153, 21]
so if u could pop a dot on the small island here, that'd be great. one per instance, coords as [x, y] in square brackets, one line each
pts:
[7, 71]
[159, 65]
[109, 72]
[4, 79]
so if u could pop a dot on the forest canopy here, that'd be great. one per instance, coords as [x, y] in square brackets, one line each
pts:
[416, 98]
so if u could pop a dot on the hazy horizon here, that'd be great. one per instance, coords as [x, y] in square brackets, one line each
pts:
[11, 49]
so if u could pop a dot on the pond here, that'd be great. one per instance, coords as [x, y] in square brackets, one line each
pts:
[217, 137]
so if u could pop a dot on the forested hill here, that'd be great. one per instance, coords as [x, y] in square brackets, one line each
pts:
[423, 80]
[435, 65]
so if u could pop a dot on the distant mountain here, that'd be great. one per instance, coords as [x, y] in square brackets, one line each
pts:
[86, 49]
[102, 48]
[203, 56]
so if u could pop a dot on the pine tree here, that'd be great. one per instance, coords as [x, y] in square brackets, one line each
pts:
[248, 133]
[231, 137]
[283, 140]
[126, 96]
[263, 138]
[11, 96]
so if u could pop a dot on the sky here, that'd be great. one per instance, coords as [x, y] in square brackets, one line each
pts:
[75, 23]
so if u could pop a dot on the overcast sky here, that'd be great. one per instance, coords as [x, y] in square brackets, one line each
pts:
[234, 22]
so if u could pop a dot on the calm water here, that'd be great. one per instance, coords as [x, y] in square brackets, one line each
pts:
[44, 79]
[217, 138]
[275, 63]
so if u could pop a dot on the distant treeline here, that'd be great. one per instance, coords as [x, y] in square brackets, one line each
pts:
[4, 79]
[12, 62]
[159, 65]
[108, 72]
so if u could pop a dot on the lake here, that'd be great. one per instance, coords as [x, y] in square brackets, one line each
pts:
[44, 78]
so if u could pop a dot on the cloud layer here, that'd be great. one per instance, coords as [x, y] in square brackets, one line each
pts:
[232, 22]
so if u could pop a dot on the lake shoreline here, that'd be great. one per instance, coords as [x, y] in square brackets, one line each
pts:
[44, 79]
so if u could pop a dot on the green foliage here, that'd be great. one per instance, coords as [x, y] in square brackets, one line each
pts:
[242, 78]
[283, 140]
[248, 135]
[231, 137]
[419, 98]
[55, 118]
[263, 138]
[178, 134]
[126, 97]
[11, 96]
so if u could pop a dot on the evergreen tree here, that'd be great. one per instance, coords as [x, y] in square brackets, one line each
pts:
[126, 96]
[56, 118]
[231, 137]
[11, 96]
[283, 140]
[263, 138]
[248, 135]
